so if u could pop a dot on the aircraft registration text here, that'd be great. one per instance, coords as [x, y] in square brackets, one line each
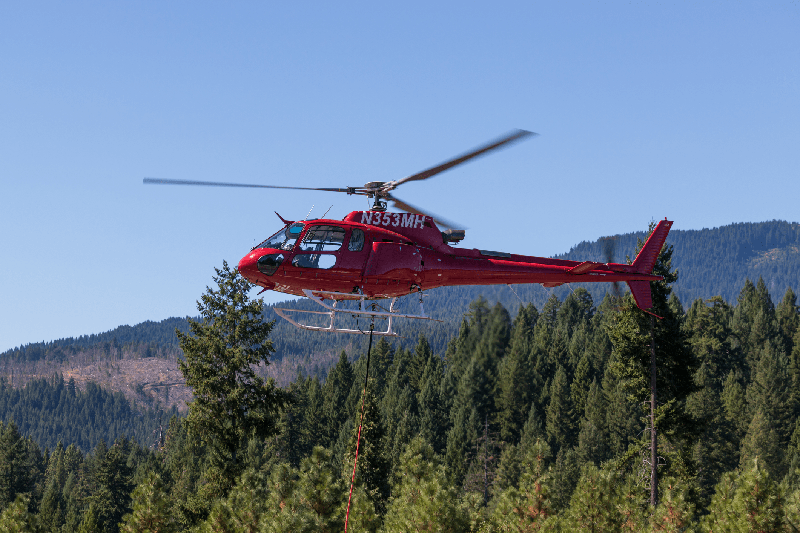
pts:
[402, 220]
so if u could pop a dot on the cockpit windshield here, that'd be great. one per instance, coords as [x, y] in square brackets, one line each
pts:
[284, 239]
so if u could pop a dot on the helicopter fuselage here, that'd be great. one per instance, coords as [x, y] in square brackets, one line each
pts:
[385, 255]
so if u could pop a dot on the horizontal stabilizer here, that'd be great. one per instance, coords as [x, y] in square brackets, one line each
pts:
[583, 268]
[641, 293]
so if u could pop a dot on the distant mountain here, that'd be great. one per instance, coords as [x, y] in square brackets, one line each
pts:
[709, 261]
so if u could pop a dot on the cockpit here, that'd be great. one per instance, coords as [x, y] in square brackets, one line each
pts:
[284, 239]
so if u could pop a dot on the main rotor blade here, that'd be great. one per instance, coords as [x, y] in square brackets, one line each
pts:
[408, 208]
[161, 181]
[502, 141]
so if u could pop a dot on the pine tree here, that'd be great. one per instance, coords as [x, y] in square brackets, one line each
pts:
[16, 518]
[474, 400]
[282, 508]
[560, 423]
[592, 508]
[419, 361]
[52, 507]
[14, 475]
[374, 466]
[433, 417]
[314, 425]
[762, 442]
[721, 514]
[758, 502]
[533, 430]
[711, 340]
[90, 522]
[335, 391]
[788, 315]
[514, 380]
[422, 498]
[231, 401]
[579, 388]
[792, 479]
[675, 512]
[636, 338]
[769, 392]
[794, 372]
[399, 405]
[112, 497]
[593, 445]
[321, 493]
[151, 510]
[735, 403]
[526, 508]
[565, 475]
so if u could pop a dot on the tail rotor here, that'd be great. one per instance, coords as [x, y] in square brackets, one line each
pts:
[609, 249]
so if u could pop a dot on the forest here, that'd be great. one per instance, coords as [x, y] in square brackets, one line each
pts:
[531, 420]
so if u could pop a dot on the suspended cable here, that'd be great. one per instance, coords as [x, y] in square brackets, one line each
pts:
[361, 421]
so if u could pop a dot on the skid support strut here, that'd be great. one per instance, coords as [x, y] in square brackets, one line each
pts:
[363, 310]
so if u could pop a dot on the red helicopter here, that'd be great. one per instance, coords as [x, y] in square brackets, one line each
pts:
[377, 254]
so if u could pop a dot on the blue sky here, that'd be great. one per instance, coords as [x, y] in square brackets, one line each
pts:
[645, 110]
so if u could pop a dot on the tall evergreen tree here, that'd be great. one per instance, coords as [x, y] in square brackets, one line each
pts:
[788, 315]
[561, 417]
[112, 497]
[514, 394]
[433, 415]
[231, 401]
[711, 341]
[374, 465]
[769, 392]
[14, 468]
[593, 446]
[675, 363]
[335, 391]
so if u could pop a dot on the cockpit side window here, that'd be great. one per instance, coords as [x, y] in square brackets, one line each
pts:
[322, 239]
[284, 239]
[356, 243]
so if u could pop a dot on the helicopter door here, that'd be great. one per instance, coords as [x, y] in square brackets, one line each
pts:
[353, 257]
[321, 257]
[318, 249]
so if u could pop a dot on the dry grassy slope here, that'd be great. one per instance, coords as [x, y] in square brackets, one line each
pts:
[149, 380]
[143, 380]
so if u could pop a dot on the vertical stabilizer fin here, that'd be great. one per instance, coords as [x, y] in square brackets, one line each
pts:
[646, 260]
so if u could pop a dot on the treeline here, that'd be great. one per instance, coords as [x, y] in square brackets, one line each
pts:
[148, 337]
[530, 422]
[710, 262]
[50, 411]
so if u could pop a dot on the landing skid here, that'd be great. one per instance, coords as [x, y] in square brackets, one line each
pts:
[363, 310]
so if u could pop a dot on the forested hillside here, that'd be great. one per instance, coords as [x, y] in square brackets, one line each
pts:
[51, 411]
[528, 420]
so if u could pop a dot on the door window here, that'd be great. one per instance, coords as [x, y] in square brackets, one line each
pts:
[356, 243]
[322, 239]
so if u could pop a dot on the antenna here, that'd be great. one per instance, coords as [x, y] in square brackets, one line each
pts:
[309, 212]
[326, 212]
